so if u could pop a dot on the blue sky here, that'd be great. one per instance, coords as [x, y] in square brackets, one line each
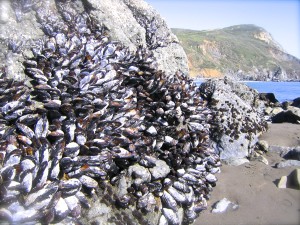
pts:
[281, 18]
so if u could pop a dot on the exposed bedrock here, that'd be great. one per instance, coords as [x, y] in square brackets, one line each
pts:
[101, 129]
[238, 117]
[134, 23]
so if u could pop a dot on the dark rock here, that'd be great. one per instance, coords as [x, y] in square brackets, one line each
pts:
[286, 104]
[293, 154]
[268, 98]
[238, 117]
[291, 115]
[296, 102]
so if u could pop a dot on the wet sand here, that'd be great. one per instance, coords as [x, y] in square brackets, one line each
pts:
[253, 187]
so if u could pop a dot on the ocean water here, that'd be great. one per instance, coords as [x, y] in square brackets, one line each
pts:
[283, 91]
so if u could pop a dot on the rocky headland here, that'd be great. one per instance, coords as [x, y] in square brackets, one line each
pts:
[268, 168]
[242, 52]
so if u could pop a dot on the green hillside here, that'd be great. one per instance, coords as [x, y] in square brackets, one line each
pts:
[242, 51]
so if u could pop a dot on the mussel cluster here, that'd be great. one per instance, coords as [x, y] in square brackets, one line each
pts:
[92, 110]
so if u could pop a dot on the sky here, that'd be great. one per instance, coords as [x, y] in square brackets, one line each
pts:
[281, 18]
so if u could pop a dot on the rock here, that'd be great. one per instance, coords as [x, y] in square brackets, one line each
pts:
[263, 145]
[268, 110]
[286, 104]
[139, 174]
[238, 119]
[294, 179]
[293, 154]
[223, 206]
[143, 27]
[268, 98]
[288, 163]
[296, 102]
[282, 183]
[159, 171]
[291, 115]
[282, 150]
[290, 181]
[276, 110]
[235, 161]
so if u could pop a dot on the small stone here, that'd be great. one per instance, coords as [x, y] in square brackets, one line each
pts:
[288, 163]
[263, 145]
[223, 206]
[161, 170]
[282, 182]
[290, 181]
[294, 179]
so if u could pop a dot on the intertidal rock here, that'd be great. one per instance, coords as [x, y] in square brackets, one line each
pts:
[291, 115]
[238, 117]
[134, 23]
[83, 137]
[290, 181]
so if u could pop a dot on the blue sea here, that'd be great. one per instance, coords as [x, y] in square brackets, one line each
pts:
[284, 91]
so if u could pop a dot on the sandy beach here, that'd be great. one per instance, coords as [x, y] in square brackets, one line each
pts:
[252, 186]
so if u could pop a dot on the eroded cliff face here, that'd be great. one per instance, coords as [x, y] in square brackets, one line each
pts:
[243, 52]
[134, 23]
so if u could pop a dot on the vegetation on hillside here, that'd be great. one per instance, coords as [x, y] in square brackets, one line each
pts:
[243, 51]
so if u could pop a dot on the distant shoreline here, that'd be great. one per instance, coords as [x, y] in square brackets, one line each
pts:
[205, 79]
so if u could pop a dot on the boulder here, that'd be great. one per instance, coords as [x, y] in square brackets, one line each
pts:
[288, 163]
[269, 99]
[294, 178]
[296, 102]
[238, 117]
[132, 22]
[135, 24]
[293, 154]
[290, 181]
[291, 115]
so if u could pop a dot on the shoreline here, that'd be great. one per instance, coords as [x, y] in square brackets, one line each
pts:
[242, 81]
[253, 187]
